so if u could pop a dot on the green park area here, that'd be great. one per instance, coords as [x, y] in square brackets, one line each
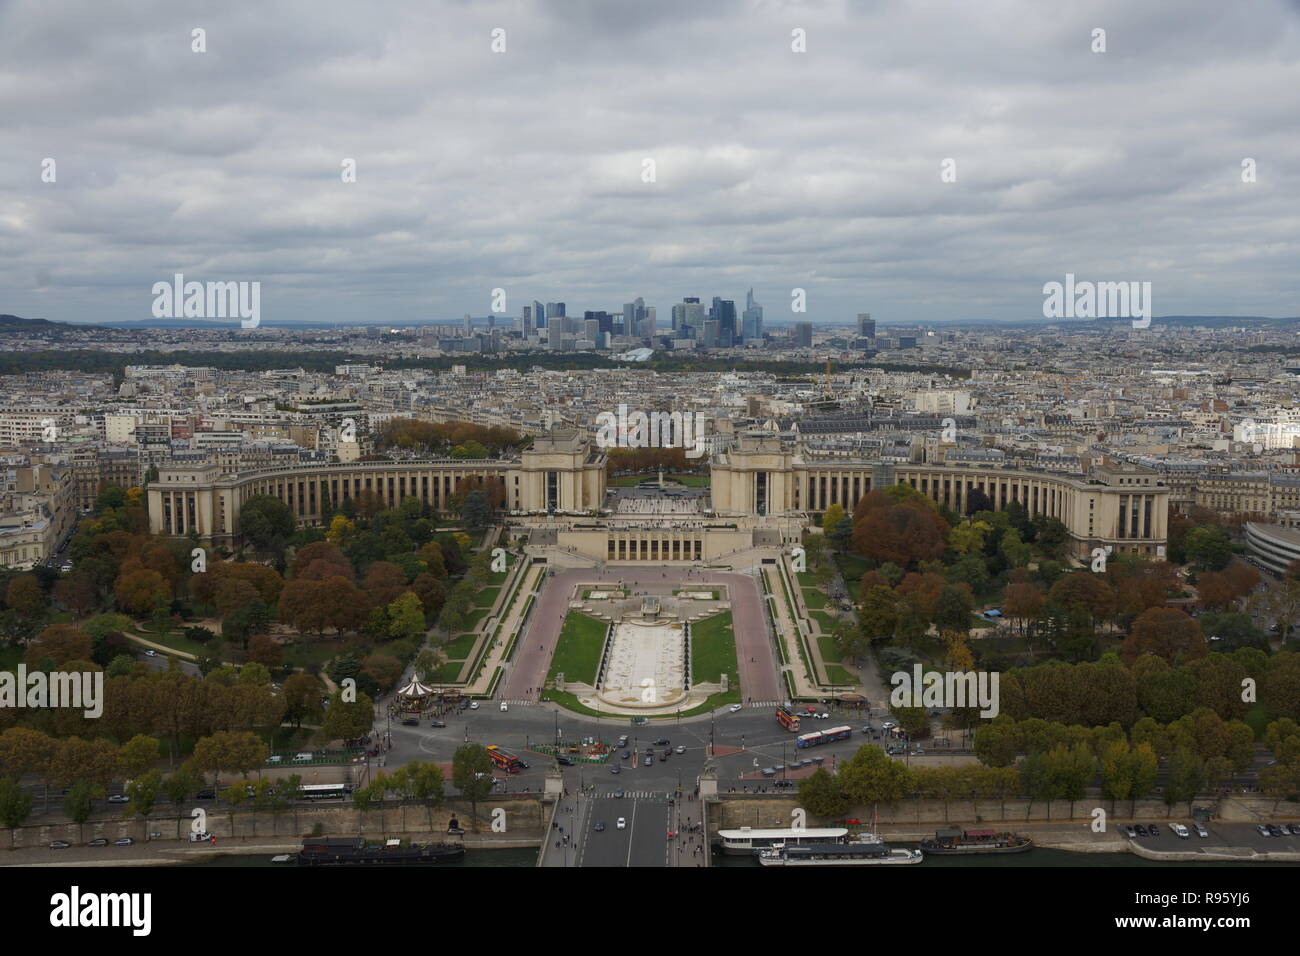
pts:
[577, 652]
[713, 650]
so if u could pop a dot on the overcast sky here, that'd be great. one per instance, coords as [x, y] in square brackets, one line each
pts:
[523, 170]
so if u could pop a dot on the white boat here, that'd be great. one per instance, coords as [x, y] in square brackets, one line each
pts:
[749, 840]
[863, 853]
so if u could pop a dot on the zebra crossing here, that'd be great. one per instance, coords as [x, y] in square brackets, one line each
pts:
[636, 795]
[519, 702]
[765, 703]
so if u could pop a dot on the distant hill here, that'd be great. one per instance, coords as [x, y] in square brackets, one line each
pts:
[16, 323]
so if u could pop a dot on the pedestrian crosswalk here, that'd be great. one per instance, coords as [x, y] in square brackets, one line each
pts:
[638, 795]
[518, 702]
[765, 703]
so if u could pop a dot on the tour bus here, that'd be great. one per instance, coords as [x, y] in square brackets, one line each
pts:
[504, 759]
[324, 791]
[788, 720]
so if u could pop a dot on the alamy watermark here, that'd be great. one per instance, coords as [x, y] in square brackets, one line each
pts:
[955, 689]
[655, 430]
[79, 690]
[1098, 300]
[179, 299]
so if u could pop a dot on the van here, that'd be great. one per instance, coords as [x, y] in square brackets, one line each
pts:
[303, 757]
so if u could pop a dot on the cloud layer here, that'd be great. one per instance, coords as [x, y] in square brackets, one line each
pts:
[524, 169]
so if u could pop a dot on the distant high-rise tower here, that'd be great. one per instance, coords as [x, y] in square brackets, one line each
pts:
[866, 326]
[469, 324]
[751, 328]
[803, 335]
[724, 312]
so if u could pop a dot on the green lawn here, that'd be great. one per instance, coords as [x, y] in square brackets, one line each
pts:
[824, 620]
[458, 650]
[308, 652]
[498, 578]
[829, 650]
[577, 653]
[713, 649]
[838, 675]
[814, 598]
[475, 617]
[486, 597]
[448, 673]
[174, 639]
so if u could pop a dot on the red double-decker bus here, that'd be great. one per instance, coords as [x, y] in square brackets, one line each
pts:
[503, 759]
[787, 720]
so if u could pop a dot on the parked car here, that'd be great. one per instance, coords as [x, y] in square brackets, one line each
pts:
[59, 844]
[1180, 831]
[473, 705]
[564, 761]
[274, 758]
[734, 708]
[1263, 830]
[100, 841]
[1130, 832]
[1141, 830]
[1155, 830]
[1274, 830]
[118, 798]
[410, 722]
[769, 771]
[150, 653]
[125, 841]
[1201, 831]
[1295, 829]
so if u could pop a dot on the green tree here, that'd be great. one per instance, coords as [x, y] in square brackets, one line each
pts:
[143, 793]
[471, 774]
[266, 523]
[79, 803]
[821, 794]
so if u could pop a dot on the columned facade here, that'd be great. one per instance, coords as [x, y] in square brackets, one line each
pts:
[1122, 509]
[560, 472]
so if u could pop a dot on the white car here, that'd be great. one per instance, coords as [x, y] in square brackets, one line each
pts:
[1201, 831]
[150, 653]
[1180, 831]
[503, 706]
[622, 824]
[734, 708]
[473, 705]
